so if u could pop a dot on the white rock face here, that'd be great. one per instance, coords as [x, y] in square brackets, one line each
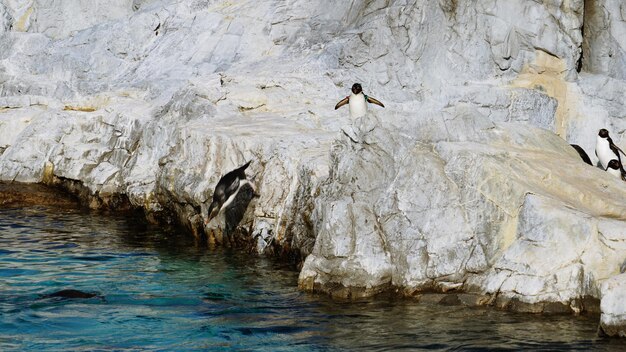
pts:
[449, 200]
[613, 319]
[605, 38]
[464, 181]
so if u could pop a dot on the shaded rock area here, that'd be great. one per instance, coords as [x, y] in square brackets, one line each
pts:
[604, 44]
[466, 182]
[23, 194]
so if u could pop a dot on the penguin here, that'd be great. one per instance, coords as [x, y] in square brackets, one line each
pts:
[622, 269]
[606, 150]
[226, 190]
[357, 102]
[582, 154]
[615, 168]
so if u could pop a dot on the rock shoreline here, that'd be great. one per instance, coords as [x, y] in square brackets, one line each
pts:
[465, 181]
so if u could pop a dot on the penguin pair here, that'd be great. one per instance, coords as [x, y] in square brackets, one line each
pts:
[607, 152]
[609, 155]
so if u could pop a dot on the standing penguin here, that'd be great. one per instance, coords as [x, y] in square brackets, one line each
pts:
[615, 168]
[226, 190]
[357, 102]
[606, 150]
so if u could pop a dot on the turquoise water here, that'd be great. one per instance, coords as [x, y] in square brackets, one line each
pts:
[160, 291]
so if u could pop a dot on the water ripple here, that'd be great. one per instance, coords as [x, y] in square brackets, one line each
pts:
[159, 291]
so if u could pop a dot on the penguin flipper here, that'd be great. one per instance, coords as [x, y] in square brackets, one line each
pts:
[374, 101]
[218, 194]
[618, 150]
[342, 102]
[231, 188]
[622, 171]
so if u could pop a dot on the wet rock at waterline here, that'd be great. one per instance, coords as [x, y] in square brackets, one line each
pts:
[464, 182]
[613, 319]
[453, 201]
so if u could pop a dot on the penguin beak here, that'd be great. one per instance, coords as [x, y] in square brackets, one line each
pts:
[213, 211]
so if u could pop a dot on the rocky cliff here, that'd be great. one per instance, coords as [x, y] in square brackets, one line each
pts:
[465, 181]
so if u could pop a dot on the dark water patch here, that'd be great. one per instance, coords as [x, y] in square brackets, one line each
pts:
[10, 272]
[270, 330]
[71, 294]
[216, 297]
[53, 246]
[94, 258]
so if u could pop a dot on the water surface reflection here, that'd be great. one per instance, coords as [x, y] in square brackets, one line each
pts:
[162, 292]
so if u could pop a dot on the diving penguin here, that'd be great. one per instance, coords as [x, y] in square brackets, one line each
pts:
[226, 190]
[357, 102]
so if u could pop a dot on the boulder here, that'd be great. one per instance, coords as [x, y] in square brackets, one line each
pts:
[613, 318]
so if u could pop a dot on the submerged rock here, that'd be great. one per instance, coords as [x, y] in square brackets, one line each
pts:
[71, 294]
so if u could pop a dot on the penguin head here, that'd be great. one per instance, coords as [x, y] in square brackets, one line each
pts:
[603, 133]
[356, 88]
[613, 164]
[214, 209]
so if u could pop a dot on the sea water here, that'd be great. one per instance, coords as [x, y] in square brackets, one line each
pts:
[159, 290]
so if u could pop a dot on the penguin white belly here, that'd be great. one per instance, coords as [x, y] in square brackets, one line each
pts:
[617, 173]
[358, 105]
[604, 152]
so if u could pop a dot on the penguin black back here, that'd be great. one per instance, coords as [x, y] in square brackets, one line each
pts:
[226, 188]
[230, 182]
